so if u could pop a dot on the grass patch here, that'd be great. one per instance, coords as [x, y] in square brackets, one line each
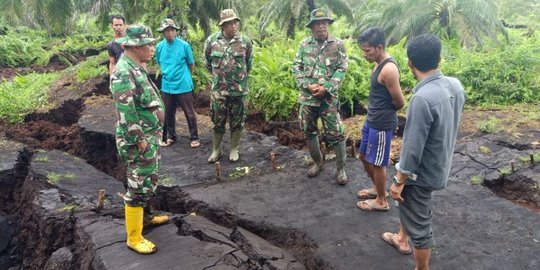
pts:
[489, 126]
[484, 149]
[476, 180]
[240, 172]
[92, 67]
[24, 94]
[41, 159]
[54, 178]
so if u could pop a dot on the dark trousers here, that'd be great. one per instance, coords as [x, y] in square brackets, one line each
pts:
[185, 101]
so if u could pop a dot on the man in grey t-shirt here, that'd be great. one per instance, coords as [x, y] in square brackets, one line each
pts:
[428, 145]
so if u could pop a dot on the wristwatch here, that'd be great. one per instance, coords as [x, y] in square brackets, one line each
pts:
[396, 182]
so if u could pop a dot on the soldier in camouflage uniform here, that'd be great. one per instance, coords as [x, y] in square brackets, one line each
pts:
[319, 68]
[139, 110]
[228, 56]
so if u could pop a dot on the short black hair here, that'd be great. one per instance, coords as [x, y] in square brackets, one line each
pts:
[373, 36]
[118, 17]
[424, 51]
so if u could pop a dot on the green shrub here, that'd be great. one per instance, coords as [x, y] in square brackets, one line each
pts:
[501, 73]
[18, 49]
[24, 94]
[272, 87]
[92, 67]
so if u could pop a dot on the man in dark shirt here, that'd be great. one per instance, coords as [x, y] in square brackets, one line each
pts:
[115, 50]
[385, 98]
[428, 146]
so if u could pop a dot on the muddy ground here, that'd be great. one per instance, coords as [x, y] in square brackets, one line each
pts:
[254, 216]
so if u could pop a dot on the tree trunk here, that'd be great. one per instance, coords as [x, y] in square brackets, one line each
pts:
[291, 27]
[311, 5]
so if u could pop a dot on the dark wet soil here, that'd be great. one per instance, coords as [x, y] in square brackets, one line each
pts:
[59, 129]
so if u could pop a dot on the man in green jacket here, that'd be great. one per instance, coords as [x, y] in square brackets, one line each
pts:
[140, 116]
[228, 56]
[319, 68]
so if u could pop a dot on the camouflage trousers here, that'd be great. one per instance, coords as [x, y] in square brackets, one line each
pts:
[223, 107]
[334, 129]
[142, 171]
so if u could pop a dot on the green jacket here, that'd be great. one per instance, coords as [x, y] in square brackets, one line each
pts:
[139, 108]
[320, 63]
[230, 62]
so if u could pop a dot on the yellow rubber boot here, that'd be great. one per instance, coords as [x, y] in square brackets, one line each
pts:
[134, 227]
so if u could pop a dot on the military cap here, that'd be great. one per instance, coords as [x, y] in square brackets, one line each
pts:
[136, 35]
[319, 14]
[166, 24]
[227, 15]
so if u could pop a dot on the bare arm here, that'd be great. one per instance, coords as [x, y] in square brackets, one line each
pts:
[191, 69]
[112, 63]
[389, 77]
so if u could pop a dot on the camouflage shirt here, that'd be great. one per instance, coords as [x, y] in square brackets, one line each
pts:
[139, 108]
[229, 61]
[320, 63]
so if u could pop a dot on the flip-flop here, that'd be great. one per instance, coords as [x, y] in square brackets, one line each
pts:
[369, 205]
[389, 238]
[195, 143]
[169, 142]
[369, 193]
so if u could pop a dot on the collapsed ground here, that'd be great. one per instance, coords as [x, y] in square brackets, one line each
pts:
[80, 125]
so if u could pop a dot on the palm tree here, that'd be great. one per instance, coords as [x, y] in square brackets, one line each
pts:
[54, 15]
[286, 13]
[467, 20]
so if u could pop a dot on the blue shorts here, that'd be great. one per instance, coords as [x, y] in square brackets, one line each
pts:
[375, 145]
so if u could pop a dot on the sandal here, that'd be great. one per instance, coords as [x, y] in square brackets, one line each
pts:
[169, 142]
[195, 143]
[371, 205]
[369, 193]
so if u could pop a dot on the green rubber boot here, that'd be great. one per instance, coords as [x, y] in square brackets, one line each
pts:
[316, 155]
[216, 147]
[341, 157]
[235, 141]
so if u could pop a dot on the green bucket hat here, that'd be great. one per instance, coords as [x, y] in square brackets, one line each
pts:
[166, 24]
[227, 15]
[319, 14]
[136, 35]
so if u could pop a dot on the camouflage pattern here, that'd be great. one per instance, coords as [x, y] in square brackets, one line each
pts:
[166, 24]
[320, 63]
[140, 114]
[230, 62]
[334, 129]
[227, 15]
[223, 107]
[136, 35]
[324, 64]
[319, 14]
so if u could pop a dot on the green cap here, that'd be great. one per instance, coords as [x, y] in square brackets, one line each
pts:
[319, 14]
[136, 35]
[166, 24]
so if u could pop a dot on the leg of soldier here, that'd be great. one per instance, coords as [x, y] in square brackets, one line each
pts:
[334, 134]
[186, 102]
[142, 179]
[308, 122]
[218, 114]
[237, 115]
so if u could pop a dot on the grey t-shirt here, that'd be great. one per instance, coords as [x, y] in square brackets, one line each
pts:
[431, 130]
